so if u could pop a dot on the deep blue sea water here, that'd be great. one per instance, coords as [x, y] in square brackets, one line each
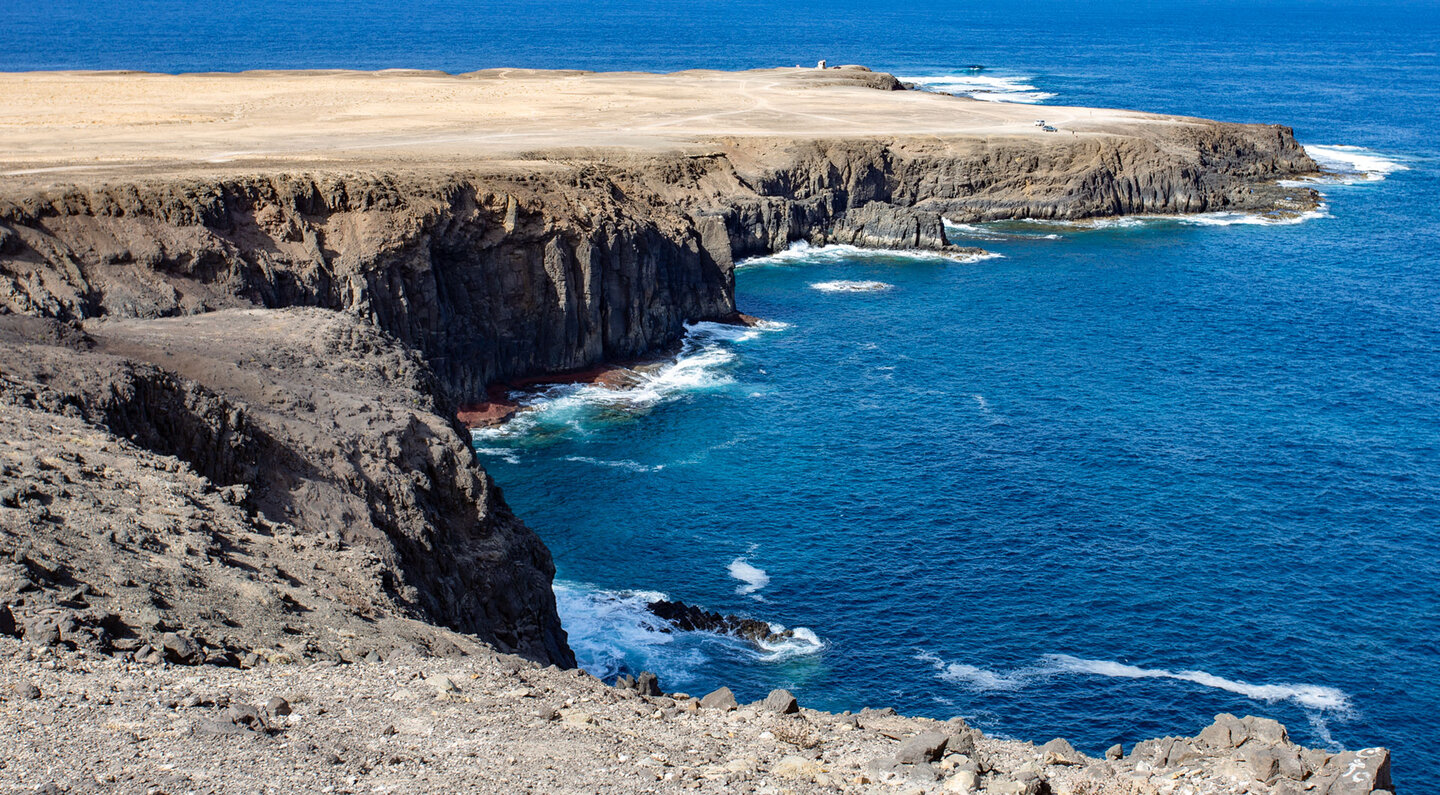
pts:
[1107, 485]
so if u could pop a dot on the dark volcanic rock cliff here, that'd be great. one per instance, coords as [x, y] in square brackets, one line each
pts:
[186, 317]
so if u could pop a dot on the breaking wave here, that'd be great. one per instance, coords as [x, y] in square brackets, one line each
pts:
[802, 252]
[1313, 697]
[614, 633]
[989, 88]
[1348, 165]
[705, 363]
[851, 287]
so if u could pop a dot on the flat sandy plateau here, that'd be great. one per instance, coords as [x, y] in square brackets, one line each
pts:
[67, 125]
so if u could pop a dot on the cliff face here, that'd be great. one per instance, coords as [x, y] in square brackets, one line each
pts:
[184, 315]
[495, 276]
[309, 499]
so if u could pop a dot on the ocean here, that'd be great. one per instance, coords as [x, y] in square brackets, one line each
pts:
[1122, 477]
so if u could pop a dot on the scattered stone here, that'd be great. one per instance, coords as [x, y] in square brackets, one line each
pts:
[27, 690]
[246, 715]
[721, 699]
[179, 649]
[781, 702]
[795, 767]
[926, 747]
[277, 707]
[575, 717]
[444, 686]
[42, 632]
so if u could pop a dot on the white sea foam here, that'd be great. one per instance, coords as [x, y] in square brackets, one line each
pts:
[753, 577]
[987, 87]
[623, 463]
[1312, 697]
[703, 364]
[1348, 165]
[506, 454]
[802, 252]
[613, 632]
[610, 631]
[1190, 219]
[989, 232]
[843, 286]
[801, 643]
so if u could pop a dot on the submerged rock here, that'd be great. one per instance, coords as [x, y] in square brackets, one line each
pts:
[691, 618]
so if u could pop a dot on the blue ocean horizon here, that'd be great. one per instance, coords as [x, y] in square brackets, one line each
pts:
[1118, 479]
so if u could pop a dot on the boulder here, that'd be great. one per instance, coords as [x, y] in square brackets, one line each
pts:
[647, 684]
[1262, 761]
[177, 648]
[1182, 752]
[1225, 733]
[42, 632]
[277, 707]
[781, 702]
[963, 781]
[1059, 751]
[1116, 751]
[963, 741]
[1265, 730]
[721, 699]
[7, 622]
[1358, 772]
[925, 747]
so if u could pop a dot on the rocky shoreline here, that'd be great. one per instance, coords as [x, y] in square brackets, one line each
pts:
[73, 721]
[234, 397]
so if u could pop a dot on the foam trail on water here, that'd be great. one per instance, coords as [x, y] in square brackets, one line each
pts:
[851, 287]
[976, 678]
[624, 463]
[989, 88]
[1312, 696]
[803, 253]
[753, 578]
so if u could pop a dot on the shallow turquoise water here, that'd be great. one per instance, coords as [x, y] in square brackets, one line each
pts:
[1106, 486]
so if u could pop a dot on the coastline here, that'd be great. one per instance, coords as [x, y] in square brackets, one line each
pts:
[551, 264]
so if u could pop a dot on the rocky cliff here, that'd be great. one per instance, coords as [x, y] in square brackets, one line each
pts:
[298, 341]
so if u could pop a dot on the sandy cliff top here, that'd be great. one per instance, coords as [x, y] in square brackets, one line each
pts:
[70, 125]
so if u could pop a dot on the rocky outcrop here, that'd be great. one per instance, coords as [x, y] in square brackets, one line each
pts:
[689, 618]
[291, 437]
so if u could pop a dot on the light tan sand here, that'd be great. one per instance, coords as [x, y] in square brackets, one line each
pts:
[68, 125]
